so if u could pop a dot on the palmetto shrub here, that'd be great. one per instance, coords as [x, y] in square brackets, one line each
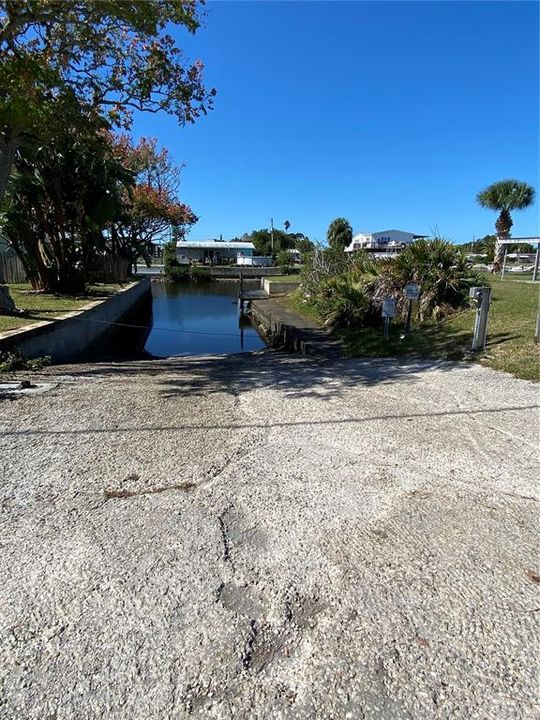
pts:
[342, 303]
[443, 272]
[349, 291]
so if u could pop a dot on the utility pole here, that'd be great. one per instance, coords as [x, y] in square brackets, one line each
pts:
[272, 234]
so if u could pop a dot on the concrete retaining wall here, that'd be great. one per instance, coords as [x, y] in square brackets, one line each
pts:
[69, 338]
[224, 272]
[282, 328]
[273, 287]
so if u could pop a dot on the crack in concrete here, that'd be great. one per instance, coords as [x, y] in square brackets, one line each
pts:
[111, 493]
[225, 539]
[247, 655]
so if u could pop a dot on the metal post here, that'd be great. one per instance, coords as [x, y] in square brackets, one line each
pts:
[504, 262]
[386, 327]
[480, 325]
[409, 317]
[536, 263]
[537, 331]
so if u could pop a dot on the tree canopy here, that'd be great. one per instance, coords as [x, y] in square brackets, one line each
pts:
[113, 57]
[339, 233]
[262, 239]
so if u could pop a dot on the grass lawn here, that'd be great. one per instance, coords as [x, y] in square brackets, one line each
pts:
[41, 306]
[293, 278]
[510, 346]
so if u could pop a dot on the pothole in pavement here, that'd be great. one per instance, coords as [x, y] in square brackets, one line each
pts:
[25, 387]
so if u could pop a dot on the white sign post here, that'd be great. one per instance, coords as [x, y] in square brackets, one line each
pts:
[412, 292]
[388, 312]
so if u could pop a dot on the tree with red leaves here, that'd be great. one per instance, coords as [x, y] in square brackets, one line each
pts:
[152, 206]
[111, 58]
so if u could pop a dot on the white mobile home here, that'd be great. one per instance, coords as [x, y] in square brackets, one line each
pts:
[382, 241]
[214, 252]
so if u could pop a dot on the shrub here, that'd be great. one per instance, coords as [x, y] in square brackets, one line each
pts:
[284, 261]
[199, 273]
[11, 361]
[443, 272]
[321, 265]
[177, 273]
[349, 290]
[342, 303]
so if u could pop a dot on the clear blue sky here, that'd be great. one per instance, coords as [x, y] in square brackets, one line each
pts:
[392, 114]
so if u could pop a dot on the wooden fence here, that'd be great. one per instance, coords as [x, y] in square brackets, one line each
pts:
[11, 268]
[106, 269]
[110, 269]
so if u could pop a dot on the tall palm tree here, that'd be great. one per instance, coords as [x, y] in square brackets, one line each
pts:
[504, 196]
[339, 233]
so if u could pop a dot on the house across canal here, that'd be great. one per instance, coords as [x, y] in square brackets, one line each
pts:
[219, 252]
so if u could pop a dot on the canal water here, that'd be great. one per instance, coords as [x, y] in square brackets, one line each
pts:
[188, 318]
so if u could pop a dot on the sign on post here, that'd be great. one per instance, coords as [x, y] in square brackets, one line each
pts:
[412, 291]
[388, 307]
[388, 311]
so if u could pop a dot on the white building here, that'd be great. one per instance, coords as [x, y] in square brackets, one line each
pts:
[215, 252]
[386, 241]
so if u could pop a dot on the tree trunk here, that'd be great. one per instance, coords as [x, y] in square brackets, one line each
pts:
[503, 227]
[9, 141]
[8, 147]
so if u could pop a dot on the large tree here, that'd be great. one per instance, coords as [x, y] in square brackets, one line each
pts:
[339, 233]
[61, 197]
[114, 56]
[505, 196]
[262, 239]
[152, 207]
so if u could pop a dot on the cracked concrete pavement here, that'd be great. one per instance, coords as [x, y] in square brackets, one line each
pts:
[270, 536]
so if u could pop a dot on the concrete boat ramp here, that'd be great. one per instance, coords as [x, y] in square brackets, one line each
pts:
[269, 536]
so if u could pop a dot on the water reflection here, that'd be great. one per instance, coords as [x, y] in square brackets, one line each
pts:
[198, 319]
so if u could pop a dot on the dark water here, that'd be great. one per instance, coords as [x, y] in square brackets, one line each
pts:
[198, 319]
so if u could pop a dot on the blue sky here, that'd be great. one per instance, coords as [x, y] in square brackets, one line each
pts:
[392, 114]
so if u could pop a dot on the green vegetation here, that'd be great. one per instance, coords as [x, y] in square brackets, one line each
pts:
[510, 345]
[36, 307]
[348, 291]
[284, 261]
[505, 196]
[292, 277]
[262, 239]
[12, 361]
[339, 233]
[71, 75]
[181, 273]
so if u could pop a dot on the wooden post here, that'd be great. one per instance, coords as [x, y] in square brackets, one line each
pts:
[504, 262]
[536, 263]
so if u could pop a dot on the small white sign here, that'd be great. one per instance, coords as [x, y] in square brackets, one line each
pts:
[388, 307]
[412, 291]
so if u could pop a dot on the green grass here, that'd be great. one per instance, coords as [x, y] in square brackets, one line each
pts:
[510, 345]
[295, 278]
[295, 303]
[42, 306]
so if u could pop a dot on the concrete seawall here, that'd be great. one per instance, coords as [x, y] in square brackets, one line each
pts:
[67, 338]
[233, 272]
[283, 328]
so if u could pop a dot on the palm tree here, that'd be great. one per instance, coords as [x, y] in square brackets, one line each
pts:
[504, 196]
[287, 225]
[339, 233]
